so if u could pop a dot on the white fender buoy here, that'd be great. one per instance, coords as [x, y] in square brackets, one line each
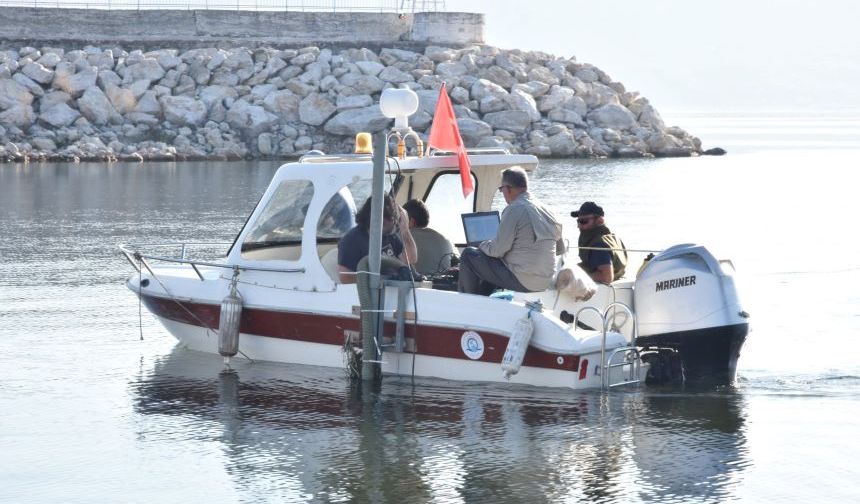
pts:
[517, 346]
[228, 326]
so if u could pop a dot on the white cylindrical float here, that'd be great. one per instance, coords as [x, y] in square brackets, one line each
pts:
[517, 346]
[228, 326]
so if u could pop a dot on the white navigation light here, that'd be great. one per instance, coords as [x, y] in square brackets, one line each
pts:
[399, 104]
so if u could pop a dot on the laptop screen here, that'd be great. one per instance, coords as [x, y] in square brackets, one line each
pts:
[480, 226]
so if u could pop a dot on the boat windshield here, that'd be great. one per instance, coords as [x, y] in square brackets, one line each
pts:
[283, 218]
[277, 233]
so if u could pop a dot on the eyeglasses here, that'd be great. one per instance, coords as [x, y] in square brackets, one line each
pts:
[584, 220]
[503, 186]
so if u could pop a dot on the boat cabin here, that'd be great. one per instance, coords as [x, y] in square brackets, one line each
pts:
[311, 204]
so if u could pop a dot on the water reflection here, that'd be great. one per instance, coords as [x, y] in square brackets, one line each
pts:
[300, 433]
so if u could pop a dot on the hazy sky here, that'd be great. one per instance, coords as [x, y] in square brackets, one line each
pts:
[698, 55]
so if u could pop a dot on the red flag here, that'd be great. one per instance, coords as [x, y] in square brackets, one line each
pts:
[445, 135]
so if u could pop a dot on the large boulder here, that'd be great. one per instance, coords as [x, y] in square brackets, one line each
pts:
[210, 95]
[483, 88]
[13, 94]
[565, 115]
[50, 60]
[148, 104]
[352, 121]
[148, 69]
[315, 109]
[498, 75]
[613, 117]
[541, 74]
[44, 144]
[372, 68]
[108, 78]
[250, 119]
[389, 56]
[557, 97]
[52, 98]
[439, 54]
[494, 103]
[32, 86]
[353, 102]
[521, 100]
[266, 144]
[586, 74]
[362, 84]
[451, 69]
[473, 130]
[123, 100]
[395, 75]
[75, 84]
[534, 88]
[59, 115]
[427, 100]
[183, 110]
[517, 121]
[600, 94]
[562, 144]
[96, 107]
[650, 118]
[577, 105]
[20, 116]
[261, 91]
[284, 104]
[38, 73]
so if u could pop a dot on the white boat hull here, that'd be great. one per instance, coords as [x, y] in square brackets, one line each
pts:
[568, 370]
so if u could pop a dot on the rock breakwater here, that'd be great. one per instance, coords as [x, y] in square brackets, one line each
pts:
[210, 103]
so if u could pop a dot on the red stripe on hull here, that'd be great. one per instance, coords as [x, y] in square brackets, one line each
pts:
[327, 329]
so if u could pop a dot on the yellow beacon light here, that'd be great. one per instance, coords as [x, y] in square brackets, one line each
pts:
[363, 143]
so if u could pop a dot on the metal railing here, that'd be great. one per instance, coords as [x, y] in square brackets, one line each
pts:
[385, 6]
[137, 260]
[631, 356]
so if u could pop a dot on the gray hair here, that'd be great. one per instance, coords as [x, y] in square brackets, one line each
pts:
[515, 176]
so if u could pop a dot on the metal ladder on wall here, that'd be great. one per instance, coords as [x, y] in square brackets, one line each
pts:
[630, 363]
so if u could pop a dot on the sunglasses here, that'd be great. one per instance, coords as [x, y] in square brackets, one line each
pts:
[584, 220]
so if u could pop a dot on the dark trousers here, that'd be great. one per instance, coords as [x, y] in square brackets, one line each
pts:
[482, 274]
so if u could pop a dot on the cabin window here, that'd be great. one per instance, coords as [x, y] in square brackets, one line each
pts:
[277, 232]
[445, 202]
[338, 216]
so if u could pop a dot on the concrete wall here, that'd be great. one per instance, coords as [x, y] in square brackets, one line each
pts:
[448, 28]
[201, 27]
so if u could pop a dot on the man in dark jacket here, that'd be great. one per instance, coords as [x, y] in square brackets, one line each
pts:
[397, 241]
[604, 266]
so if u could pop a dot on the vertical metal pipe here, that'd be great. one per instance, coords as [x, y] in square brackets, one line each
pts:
[370, 370]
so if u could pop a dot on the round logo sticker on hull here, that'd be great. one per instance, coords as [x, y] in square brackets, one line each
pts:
[472, 345]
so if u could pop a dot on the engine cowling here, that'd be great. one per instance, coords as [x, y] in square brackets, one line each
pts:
[687, 300]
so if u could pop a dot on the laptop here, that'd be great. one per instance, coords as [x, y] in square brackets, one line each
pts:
[480, 226]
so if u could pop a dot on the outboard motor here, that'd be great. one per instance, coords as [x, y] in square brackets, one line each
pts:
[688, 310]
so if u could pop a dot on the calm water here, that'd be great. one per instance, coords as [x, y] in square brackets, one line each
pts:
[89, 413]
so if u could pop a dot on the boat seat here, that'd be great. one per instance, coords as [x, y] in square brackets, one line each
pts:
[570, 341]
[329, 263]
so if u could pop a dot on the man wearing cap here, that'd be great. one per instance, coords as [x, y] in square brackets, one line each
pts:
[522, 255]
[604, 266]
